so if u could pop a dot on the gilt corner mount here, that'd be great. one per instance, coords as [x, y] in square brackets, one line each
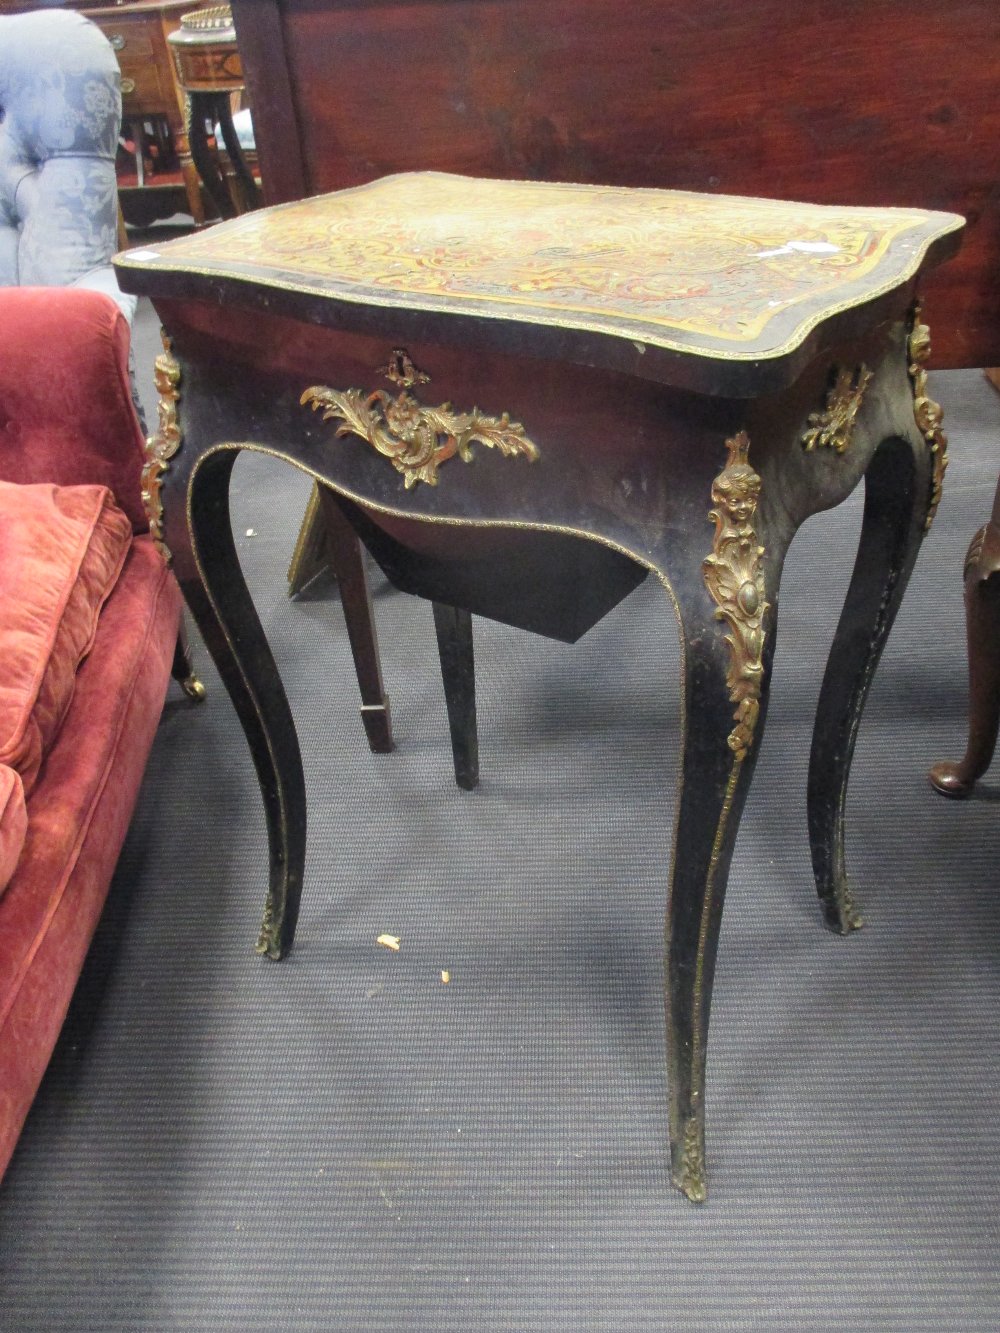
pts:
[163, 443]
[735, 579]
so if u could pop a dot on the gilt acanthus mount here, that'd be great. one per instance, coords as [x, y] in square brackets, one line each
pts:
[163, 443]
[734, 576]
[415, 438]
[926, 411]
[833, 427]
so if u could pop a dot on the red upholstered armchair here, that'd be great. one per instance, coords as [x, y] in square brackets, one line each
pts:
[89, 623]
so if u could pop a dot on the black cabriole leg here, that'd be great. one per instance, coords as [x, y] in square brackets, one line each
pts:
[727, 612]
[225, 615]
[458, 672]
[897, 490]
[717, 764]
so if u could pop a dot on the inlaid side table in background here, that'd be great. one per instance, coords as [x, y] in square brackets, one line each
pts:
[209, 72]
[526, 397]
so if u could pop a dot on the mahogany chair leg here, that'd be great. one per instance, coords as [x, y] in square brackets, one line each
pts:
[355, 597]
[183, 668]
[982, 613]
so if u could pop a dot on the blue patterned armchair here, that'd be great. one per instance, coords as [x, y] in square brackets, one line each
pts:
[60, 100]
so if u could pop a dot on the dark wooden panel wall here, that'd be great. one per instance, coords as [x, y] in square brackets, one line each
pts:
[831, 101]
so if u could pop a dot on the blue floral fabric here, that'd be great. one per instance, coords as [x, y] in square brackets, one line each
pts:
[60, 98]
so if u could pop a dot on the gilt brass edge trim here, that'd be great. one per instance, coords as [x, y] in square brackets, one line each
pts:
[270, 931]
[381, 507]
[926, 412]
[164, 442]
[643, 331]
[833, 426]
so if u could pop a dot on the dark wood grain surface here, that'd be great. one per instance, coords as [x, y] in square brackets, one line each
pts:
[829, 101]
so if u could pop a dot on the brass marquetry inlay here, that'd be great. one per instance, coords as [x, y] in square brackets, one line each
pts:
[927, 412]
[163, 444]
[711, 274]
[735, 579]
[415, 438]
[833, 427]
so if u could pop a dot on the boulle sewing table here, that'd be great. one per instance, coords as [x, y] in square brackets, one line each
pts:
[527, 397]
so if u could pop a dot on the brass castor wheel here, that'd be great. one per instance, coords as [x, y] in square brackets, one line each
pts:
[193, 688]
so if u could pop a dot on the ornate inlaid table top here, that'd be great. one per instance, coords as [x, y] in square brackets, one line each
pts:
[717, 276]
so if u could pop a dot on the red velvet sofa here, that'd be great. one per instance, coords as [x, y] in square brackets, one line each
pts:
[76, 745]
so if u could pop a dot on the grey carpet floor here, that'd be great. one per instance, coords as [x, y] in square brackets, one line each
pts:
[342, 1142]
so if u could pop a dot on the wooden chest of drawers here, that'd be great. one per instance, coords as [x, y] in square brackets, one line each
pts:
[138, 32]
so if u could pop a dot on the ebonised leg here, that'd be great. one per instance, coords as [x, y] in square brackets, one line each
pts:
[183, 668]
[247, 189]
[717, 764]
[897, 489]
[458, 671]
[726, 614]
[207, 567]
[355, 596]
[982, 613]
[200, 108]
